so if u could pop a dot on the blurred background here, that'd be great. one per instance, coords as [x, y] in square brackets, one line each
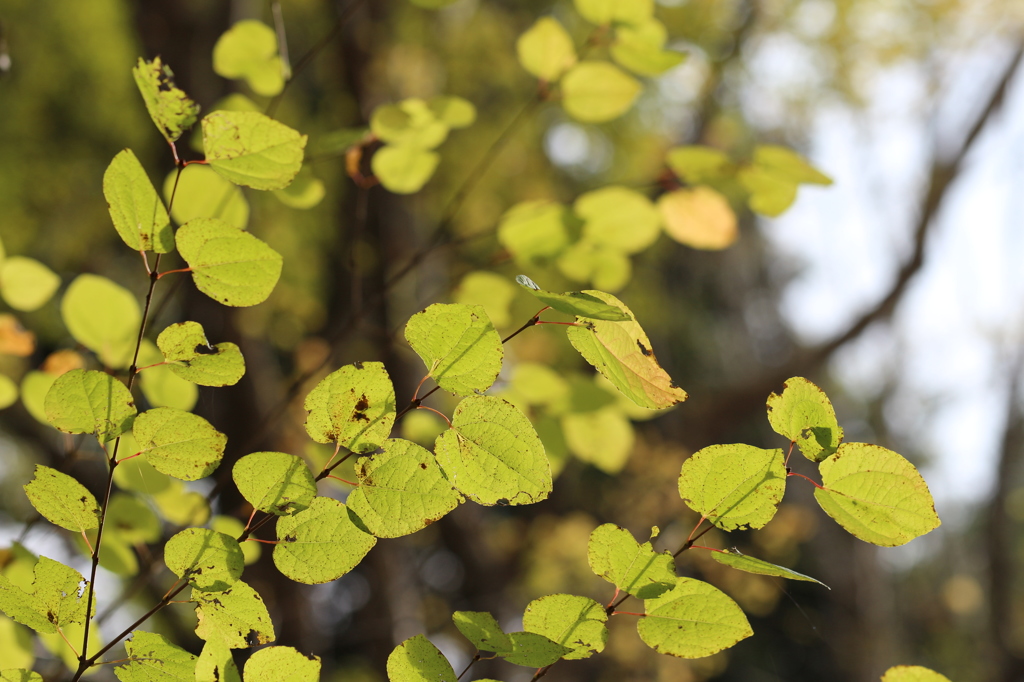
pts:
[898, 290]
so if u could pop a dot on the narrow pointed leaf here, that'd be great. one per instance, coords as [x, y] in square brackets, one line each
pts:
[912, 673]
[55, 599]
[804, 414]
[235, 617]
[876, 495]
[179, 443]
[87, 401]
[216, 664]
[251, 149]
[622, 352]
[533, 650]
[210, 561]
[577, 623]
[154, 659]
[595, 92]
[353, 406]
[459, 346]
[401, 490]
[321, 543]
[693, 620]
[576, 303]
[104, 317]
[492, 454]
[546, 49]
[481, 628]
[191, 356]
[137, 212]
[63, 500]
[228, 265]
[169, 107]
[632, 567]
[734, 486]
[282, 664]
[742, 562]
[417, 660]
[275, 482]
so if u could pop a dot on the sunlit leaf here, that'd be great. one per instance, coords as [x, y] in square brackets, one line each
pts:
[8, 391]
[248, 50]
[602, 437]
[228, 265]
[251, 149]
[480, 628]
[417, 660]
[152, 658]
[203, 193]
[533, 650]
[26, 284]
[230, 526]
[321, 543]
[191, 356]
[912, 673]
[180, 506]
[700, 218]
[62, 500]
[210, 561]
[618, 217]
[577, 303]
[773, 177]
[804, 414]
[353, 406]
[639, 48]
[577, 623]
[306, 191]
[742, 562]
[215, 664]
[876, 495]
[539, 384]
[594, 92]
[104, 317]
[54, 599]
[18, 341]
[734, 486]
[169, 107]
[602, 12]
[137, 212]
[546, 50]
[179, 443]
[693, 620]
[535, 231]
[698, 163]
[282, 664]
[404, 169]
[632, 567]
[490, 290]
[131, 520]
[87, 401]
[18, 674]
[410, 124]
[236, 617]
[454, 112]
[161, 386]
[274, 482]
[607, 268]
[458, 344]
[16, 643]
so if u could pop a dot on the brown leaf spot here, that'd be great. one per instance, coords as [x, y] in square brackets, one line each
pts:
[643, 349]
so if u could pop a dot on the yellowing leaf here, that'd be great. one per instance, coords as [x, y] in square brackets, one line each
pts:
[603, 437]
[169, 107]
[773, 177]
[210, 561]
[104, 317]
[190, 356]
[618, 217]
[876, 495]
[88, 401]
[251, 149]
[404, 169]
[179, 443]
[321, 543]
[249, 50]
[490, 290]
[614, 555]
[734, 486]
[152, 657]
[62, 500]
[235, 617]
[700, 218]
[54, 599]
[698, 163]
[202, 193]
[622, 352]
[281, 664]
[545, 50]
[804, 414]
[534, 231]
[417, 660]
[411, 124]
[353, 406]
[693, 620]
[306, 191]
[26, 284]
[274, 482]
[912, 673]
[594, 92]
[15, 339]
[602, 12]
[458, 344]
[577, 623]
[480, 628]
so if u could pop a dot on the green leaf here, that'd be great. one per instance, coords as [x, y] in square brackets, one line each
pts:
[275, 482]
[228, 265]
[154, 659]
[216, 664]
[229, 525]
[698, 163]
[57, 643]
[104, 317]
[481, 628]
[411, 124]
[577, 303]
[700, 218]
[459, 346]
[191, 356]
[320, 544]
[401, 490]
[181, 506]
[734, 486]
[19, 675]
[693, 620]
[131, 520]
[138, 214]
[87, 401]
[622, 352]
[595, 92]
[455, 112]
[618, 217]
[282, 664]
[248, 50]
[8, 391]
[603, 437]
[353, 406]
[773, 177]
[786, 164]
[17, 644]
[546, 50]
[642, 59]
[614, 555]
[577, 623]
[490, 290]
[34, 387]
[492, 454]
[210, 561]
[306, 191]
[417, 660]
[876, 495]
[605, 267]
[404, 169]
[538, 384]
[170, 108]
[202, 193]
[804, 415]
[235, 617]
[26, 284]
[62, 500]
[533, 650]
[179, 443]
[733, 557]
[138, 475]
[55, 598]
[251, 149]
[160, 384]
[602, 12]
[534, 232]
[912, 673]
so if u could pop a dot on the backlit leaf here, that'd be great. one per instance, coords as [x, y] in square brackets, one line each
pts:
[411, 124]
[480, 628]
[742, 562]
[104, 317]
[216, 664]
[417, 660]
[180, 506]
[275, 482]
[632, 567]
[455, 112]
[229, 525]
[353, 406]
[492, 454]
[228, 265]
[26, 284]
[19, 674]
[131, 520]
[401, 490]
[535, 231]
[321, 543]
[191, 356]
[8, 391]
[804, 414]
[594, 92]
[490, 290]
[734, 486]
[602, 12]
[88, 401]
[876, 495]
[202, 193]
[179, 443]
[458, 344]
[605, 267]
[251, 149]
[137, 212]
[639, 49]
[538, 384]
[577, 623]
[210, 561]
[404, 169]
[282, 664]
[546, 50]
[912, 673]
[622, 352]
[249, 50]
[700, 218]
[63, 500]
[618, 217]
[698, 163]
[17, 644]
[55, 598]
[773, 177]
[693, 620]
[577, 303]
[602, 437]
[152, 658]
[169, 107]
[306, 191]
[236, 617]
[161, 386]
[533, 650]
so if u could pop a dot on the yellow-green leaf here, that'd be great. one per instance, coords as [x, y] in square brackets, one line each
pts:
[26, 284]
[353, 406]
[62, 500]
[179, 443]
[576, 303]
[458, 344]
[282, 664]
[321, 543]
[603, 12]
[210, 561]
[616, 556]
[274, 482]
[618, 217]
[228, 265]
[235, 617]
[169, 107]
[190, 356]
[912, 673]
[404, 169]
[594, 92]
[535, 231]
[693, 620]
[251, 149]
[804, 415]
[202, 193]
[490, 290]
[104, 317]
[577, 623]
[733, 557]
[734, 486]
[137, 212]
[546, 50]
[417, 660]
[248, 50]
[88, 401]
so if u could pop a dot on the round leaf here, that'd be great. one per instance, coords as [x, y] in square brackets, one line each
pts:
[603, 437]
[632, 567]
[693, 620]
[417, 660]
[251, 149]
[210, 561]
[235, 617]
[546, 50]
[534, 231]
[62, 500]
[153, 657]
[577, 623]
[804, 415]
[228, 265]
[480, 628]
[353, 406]
[404, 169]
[274, 482]
[249, 50]
[104, 317]
[594, 92]
[912, 673]
[190, 356]
[161, 386]
[306, 191]
[411, 123]
[202, 193]
[26, 284]
[734, 486]
[700, 218]
[490, 290]
[282, 664]
[179, 443]
[454, 112]
[8, 391]
[87, 401]
[459, 346]
[320, 544]
[603, 12]
[619, 218]
[138, 214]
